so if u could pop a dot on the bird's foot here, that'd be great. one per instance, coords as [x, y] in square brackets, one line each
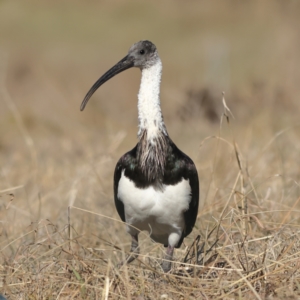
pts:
[129, 258]
[134, 252]
[166, 266]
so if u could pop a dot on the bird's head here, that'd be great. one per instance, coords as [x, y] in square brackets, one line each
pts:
[142, 54]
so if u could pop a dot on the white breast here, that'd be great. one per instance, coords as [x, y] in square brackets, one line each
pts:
[158, 211]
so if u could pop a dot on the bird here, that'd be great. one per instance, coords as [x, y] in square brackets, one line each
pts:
[156, 185]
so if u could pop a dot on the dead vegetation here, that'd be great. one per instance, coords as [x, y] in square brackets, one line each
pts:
[231, 266]
[60, 236]
[242, 252]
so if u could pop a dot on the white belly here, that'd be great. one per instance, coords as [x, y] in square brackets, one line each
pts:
[158, 211]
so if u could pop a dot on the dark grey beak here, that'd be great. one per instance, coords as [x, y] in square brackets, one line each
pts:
[124, 64]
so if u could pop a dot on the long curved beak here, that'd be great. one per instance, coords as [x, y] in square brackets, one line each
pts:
[124, 64]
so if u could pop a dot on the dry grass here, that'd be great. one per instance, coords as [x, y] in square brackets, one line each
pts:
[60, 236]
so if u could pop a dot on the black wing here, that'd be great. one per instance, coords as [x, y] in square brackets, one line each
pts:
[179, 166]
[127, 161]
[190, 216]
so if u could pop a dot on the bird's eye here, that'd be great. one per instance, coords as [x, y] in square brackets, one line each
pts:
[142, 51]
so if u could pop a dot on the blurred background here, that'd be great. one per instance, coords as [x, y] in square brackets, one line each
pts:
[52, 155]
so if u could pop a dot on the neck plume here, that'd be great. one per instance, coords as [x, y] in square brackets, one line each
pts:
[152, 134]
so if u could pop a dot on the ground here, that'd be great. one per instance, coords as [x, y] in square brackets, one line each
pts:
[60, 235]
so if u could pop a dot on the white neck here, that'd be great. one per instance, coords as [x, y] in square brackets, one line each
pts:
[150, 116]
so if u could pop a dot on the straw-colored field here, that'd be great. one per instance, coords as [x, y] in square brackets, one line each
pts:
[60, 235]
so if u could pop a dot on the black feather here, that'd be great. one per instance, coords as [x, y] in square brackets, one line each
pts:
[178, 166]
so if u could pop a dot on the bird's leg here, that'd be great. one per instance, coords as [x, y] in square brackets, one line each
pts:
[134, 251]
[166, 265]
